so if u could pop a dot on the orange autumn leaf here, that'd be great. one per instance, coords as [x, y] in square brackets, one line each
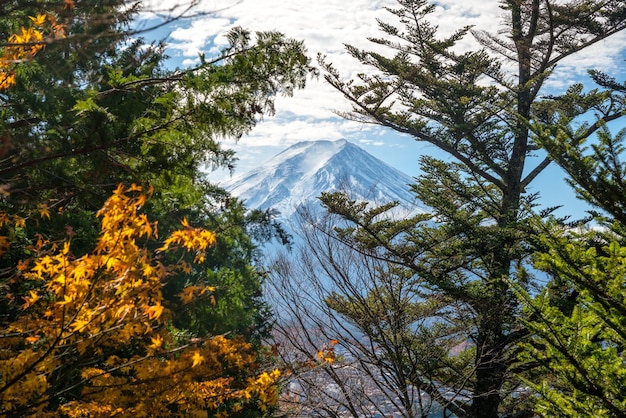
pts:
[187, 295]
[157, 342]
[155, 311]
[197, 359]
[327, 354]
[30, 300]
[22, 265]
[99, 318]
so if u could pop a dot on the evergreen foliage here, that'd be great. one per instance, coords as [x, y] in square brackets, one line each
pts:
[485, 108]
[91, 106]
[579, 321]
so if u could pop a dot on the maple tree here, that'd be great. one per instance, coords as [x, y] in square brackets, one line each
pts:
[92, 332]
[88, 326]
[24, 45]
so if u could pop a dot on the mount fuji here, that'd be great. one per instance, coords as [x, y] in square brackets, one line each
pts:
[299, 174]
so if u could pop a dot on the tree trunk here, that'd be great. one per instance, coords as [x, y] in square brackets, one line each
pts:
[490, 367]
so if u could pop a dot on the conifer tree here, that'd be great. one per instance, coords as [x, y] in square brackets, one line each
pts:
[578, 321]
[93, 106]
[86, 105]
[485, 108]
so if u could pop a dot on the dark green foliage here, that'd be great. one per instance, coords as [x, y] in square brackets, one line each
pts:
[98, 108]
[122, 117]
[236, 306]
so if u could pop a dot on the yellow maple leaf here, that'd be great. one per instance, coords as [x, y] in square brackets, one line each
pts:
[7, 79]
[185, 267]
[34, 297]
[79, 324]
[207, 289]
[112, 361]
[39, 20]
[134, 188]
[157, 342]
[66, 300]
[154, 311]
[197, 359]
[44, 212]
[20, 222]
[148, 270]
[327, 354]
[186, 296]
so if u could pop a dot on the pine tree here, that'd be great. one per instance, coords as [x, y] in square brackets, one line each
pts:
[485, 109]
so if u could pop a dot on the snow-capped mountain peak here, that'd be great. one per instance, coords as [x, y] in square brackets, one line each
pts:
[303, 171]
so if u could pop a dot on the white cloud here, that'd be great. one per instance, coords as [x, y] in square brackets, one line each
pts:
[325, 26]
[193, 39]
[371, 142]
[604, 56]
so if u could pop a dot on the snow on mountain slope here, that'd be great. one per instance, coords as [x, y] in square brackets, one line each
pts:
[303, 171]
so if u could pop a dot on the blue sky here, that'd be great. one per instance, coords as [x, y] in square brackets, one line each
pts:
[325, 26]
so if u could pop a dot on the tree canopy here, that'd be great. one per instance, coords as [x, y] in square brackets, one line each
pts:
[93, 332]
[577, 323]
[490, 111]
[96, 309]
